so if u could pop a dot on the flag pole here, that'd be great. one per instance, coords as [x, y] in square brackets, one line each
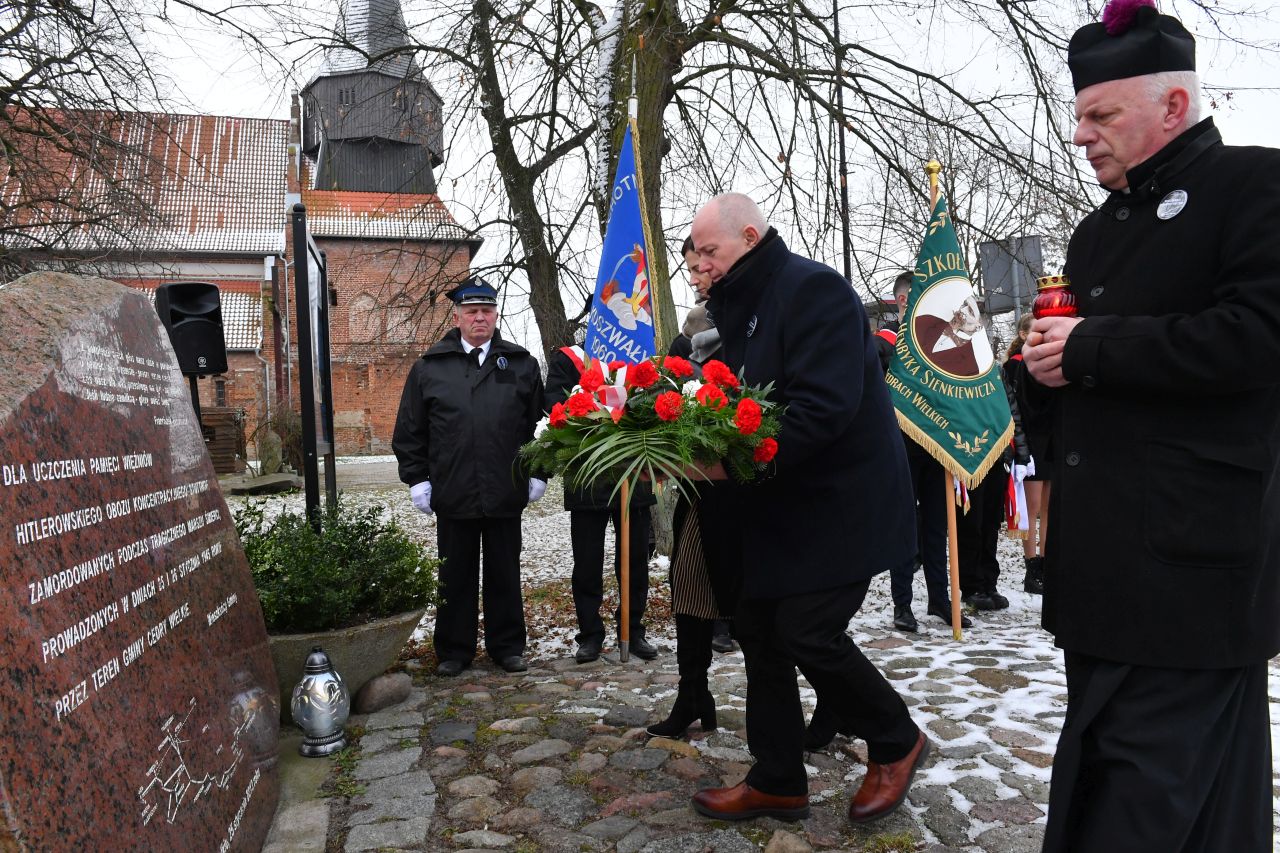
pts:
[932, 168]
[624, 514]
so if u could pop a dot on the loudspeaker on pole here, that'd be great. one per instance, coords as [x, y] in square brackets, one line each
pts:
[191, 311]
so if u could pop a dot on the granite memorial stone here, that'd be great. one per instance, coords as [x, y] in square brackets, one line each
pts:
[137, 696]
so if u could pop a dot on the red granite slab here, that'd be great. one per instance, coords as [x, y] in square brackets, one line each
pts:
[136, 690]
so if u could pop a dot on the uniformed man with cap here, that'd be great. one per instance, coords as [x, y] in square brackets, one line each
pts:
[1163, 569]
[469, 403]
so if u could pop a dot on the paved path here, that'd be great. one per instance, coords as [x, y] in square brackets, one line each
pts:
[556, 759]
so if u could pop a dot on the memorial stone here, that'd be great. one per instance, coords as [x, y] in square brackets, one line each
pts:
[137, 695]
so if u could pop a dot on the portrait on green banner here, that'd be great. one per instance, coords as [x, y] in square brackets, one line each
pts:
[948, 331]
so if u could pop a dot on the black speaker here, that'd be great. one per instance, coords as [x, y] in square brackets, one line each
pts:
[192, 313]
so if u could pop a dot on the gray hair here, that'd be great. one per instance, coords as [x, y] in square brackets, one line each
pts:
[1158, 85]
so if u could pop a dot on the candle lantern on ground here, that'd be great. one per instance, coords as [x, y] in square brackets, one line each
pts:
[320, 706]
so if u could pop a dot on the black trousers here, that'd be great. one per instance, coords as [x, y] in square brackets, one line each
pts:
[586, 531]
[809, 631]
[928, 480]
[457, 617]
[1156, 760]
[978, 533]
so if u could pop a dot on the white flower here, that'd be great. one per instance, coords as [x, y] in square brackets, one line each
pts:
[541, 427]
[690, 388]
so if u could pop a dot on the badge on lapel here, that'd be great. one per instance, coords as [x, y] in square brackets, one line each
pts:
[751, 327]
[1172, 204]
[502, 362]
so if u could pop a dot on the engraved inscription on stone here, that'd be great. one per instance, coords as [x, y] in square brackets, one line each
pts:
[134, 676]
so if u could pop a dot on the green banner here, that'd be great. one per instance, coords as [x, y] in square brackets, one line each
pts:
[944, 378]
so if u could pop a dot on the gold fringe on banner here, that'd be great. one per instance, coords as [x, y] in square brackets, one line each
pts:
[946, 460]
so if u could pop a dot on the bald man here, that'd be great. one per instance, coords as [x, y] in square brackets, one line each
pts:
[839, 486]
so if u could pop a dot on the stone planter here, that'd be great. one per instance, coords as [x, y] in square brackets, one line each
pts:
[358, 654]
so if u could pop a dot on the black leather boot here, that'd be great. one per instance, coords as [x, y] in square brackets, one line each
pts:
[1033, 581]
[693, 698]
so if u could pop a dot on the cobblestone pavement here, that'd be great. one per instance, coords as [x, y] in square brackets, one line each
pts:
[556, 759]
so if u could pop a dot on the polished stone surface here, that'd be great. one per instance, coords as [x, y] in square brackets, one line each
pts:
[136, 692]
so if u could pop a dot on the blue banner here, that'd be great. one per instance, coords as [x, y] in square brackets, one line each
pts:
[621, 324]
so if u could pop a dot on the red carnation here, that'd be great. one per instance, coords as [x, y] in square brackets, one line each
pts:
[558, 417]
[592, 378]
[712, 397]
[718, 373]
[614, 365]
[747, 418]
[642, 375]
[766, 450]
[669, 405]
[679, 366]
[581, 404]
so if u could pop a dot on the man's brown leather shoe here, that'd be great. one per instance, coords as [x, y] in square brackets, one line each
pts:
[742, 802]
[886, 785]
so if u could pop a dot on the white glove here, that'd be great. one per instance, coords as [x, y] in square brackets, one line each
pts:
[537, 488]
[1022, 472]
[421, 496]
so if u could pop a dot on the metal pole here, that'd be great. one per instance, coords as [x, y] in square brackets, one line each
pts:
[1017, 285]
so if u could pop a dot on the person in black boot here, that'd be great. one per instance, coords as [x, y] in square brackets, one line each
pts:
[693, 697]
[1036, 481]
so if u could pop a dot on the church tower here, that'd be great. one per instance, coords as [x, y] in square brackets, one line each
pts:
[371, 121]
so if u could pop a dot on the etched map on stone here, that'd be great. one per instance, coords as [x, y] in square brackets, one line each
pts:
[136, 691]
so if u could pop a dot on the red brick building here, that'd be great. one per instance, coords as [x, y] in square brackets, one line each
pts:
[358, 152]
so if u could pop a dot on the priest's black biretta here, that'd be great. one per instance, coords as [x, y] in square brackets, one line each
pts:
[1132, 39]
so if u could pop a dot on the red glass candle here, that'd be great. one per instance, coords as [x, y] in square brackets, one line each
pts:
[1053, 298]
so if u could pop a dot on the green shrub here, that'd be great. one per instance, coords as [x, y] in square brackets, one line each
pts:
[358, 568]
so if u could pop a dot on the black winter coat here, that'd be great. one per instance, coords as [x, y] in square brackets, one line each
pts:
[562, 375]
[1165, 515]
[839, 508]
[461, 428]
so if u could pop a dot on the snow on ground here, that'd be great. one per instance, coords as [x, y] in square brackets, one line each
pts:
[1018, 718]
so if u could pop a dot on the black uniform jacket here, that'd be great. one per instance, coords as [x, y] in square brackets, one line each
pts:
[562, 375]
[1164, 544]
[461, 428]
[839, 507]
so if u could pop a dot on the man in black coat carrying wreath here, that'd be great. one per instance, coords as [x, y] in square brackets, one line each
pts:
[1162, 569]
[469, 403]
[840, 487]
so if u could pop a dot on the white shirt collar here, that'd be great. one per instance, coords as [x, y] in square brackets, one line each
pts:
[484, 348]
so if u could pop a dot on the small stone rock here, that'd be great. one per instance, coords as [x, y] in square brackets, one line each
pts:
[1032, 757]
[518, 819]
[473, 786]
[678, 747]
[416, 806]
[527, 779]
[1032, 789]
[928, 795]
[387, 764]
[639, 759]
[975, 789]
[395, 787]
[1027, 838]
[1011, 811]
[590, 762]
[886, 643]
[610, 828]
[449, 752]
[475, 810]
[382, 692]
[687, 768]
[541, 751]
[637, 803]
[519, 725]
[562, 805]
[946, 822]
[447, 733]
[784, 842]
[483, 839]
[947, 729]
[604, 743]
[998, 679]
[394, 720]
[909, 663]
[392, 833]
[1012, 737]
[627, 717]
